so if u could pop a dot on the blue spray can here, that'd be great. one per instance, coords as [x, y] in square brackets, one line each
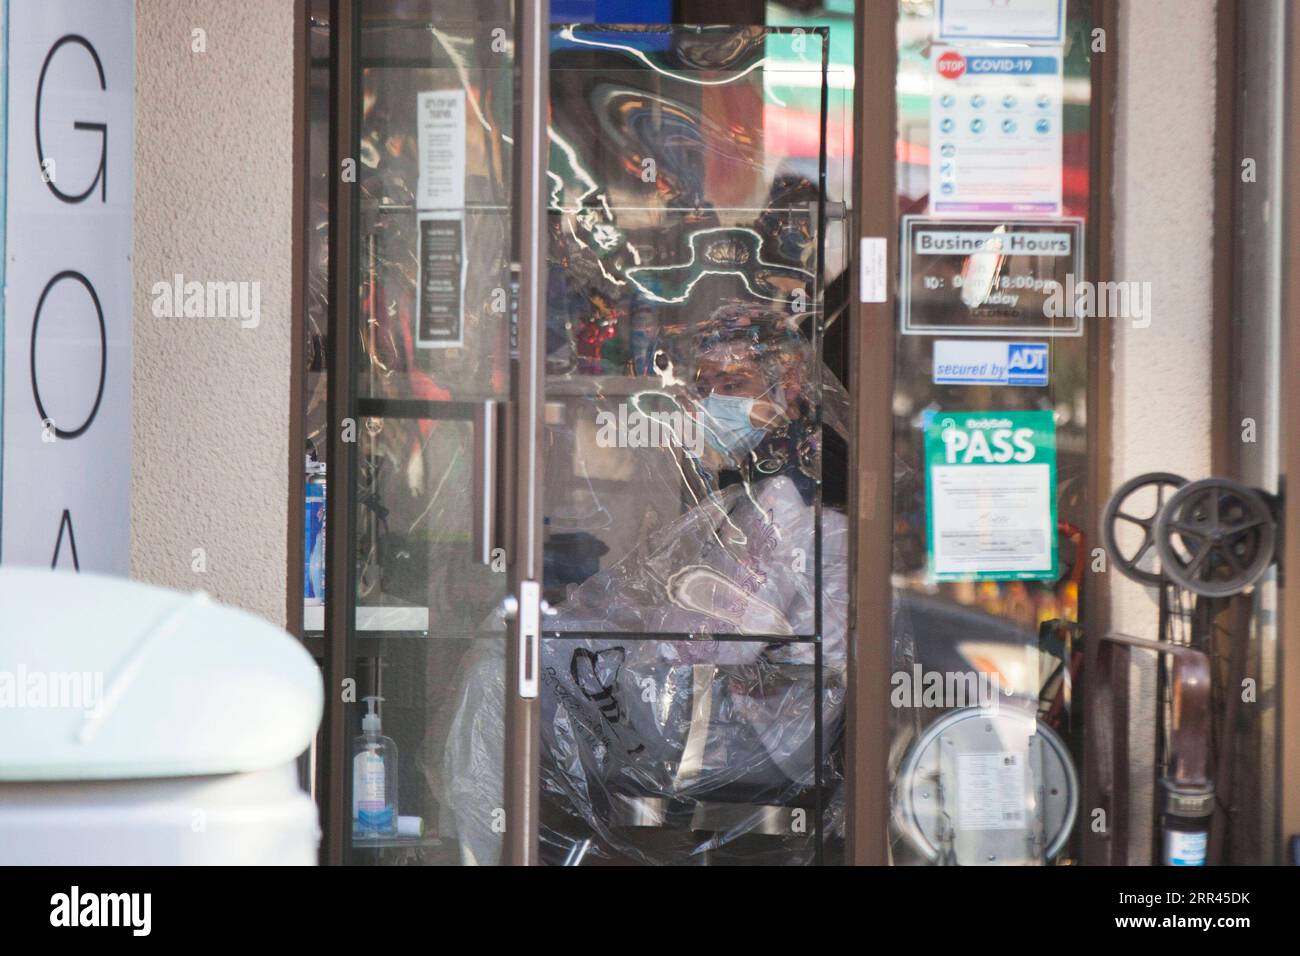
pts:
[314, 531]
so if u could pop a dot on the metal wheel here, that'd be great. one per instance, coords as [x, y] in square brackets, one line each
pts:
[1122, 510]
[1215, 537]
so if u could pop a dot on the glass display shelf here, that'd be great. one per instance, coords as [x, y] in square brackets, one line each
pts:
[383, 618]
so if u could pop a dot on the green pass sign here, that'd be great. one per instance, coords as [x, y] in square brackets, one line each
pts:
[990, 505]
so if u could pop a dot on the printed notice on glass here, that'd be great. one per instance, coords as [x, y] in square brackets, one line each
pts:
[991, 496]
[995, 131]
[1019, 21]
[989, 277]
[441, 140]
[440, 293]
[991, 791]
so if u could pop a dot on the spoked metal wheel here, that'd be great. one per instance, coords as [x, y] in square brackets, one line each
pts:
[1128, 524]
[1215, 537]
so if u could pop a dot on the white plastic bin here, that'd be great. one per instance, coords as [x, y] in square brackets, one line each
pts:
[145, 726]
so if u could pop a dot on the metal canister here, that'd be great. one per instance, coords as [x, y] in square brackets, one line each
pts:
[314, 534]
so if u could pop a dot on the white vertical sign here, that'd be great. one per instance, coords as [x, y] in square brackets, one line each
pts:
[65, 473]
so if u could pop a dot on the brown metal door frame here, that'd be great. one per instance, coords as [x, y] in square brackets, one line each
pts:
[1289, 626]
[871, 472]
[297, 314]
[340, 517]
[531, 151]
[1104, 782]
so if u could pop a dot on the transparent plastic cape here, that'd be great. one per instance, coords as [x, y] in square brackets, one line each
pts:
[658, 751]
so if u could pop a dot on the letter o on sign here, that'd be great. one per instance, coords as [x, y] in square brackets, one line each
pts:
[71, 274]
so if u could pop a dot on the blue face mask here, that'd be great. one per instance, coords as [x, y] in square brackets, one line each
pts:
[727, 425]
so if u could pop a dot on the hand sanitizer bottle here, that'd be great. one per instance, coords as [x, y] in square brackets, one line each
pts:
[374, 778]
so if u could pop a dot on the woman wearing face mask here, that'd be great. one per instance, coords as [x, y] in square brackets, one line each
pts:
[753, 369]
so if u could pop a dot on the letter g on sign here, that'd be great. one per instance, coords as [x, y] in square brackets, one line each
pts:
[101, 174]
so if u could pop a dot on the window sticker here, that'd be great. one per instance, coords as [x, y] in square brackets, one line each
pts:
[991, 278]
[995, 131]
[981, 362]
[991, 496]
[991, 791]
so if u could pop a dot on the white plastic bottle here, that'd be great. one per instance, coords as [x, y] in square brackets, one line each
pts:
[374, 778]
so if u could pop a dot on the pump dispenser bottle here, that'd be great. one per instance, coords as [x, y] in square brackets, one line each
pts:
[374, 778]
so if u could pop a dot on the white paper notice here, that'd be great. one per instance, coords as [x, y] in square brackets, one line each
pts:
[441, 141]
[991, 518]
[1025, 21]
[873, 277]
[995, 131]
[991, 791]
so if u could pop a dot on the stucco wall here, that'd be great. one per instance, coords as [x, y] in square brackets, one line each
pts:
[214, 133]
[1164, 219]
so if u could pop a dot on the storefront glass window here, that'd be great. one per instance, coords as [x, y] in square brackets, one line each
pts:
[990, 438]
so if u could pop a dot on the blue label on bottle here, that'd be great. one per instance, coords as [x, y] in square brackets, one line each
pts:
[375, 821]
[313, 577]
[1187, 849]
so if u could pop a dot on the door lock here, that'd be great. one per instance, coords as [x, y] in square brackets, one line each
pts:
[528, 608]
[510, 608]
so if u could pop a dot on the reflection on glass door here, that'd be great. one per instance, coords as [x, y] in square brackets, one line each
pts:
[695, 549]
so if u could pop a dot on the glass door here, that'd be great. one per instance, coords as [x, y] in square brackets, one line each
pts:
[695, 539]
[592, 539]
[432, 352]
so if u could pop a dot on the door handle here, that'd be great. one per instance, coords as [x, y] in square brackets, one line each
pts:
[486, 532]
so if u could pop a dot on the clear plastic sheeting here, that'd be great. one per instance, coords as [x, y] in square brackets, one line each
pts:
[712, 737]
[741, 562]
[664, 751]
[653, 755]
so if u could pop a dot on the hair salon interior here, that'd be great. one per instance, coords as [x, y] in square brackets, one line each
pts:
[659, 432]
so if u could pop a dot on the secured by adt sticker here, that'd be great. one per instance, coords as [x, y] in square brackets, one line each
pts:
[980, 362]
